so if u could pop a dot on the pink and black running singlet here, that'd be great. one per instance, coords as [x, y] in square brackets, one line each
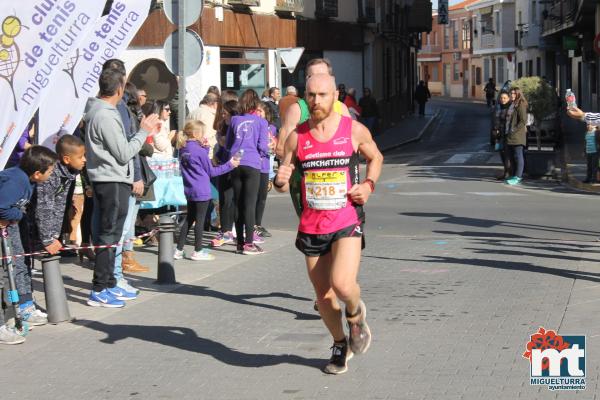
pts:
[328, 171]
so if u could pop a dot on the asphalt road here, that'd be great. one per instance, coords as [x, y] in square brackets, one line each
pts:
[458, 272]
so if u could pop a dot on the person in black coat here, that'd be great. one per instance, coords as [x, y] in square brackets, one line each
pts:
[422, 95]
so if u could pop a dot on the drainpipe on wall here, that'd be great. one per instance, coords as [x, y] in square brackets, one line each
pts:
[363, 67]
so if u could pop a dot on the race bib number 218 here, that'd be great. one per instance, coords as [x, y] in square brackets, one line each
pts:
[326, 190]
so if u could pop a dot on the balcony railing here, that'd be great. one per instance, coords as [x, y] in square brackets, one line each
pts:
[326, 8]
[247, 3]
[290, 5]
[488, 41]
[431, 49]
[559, 15]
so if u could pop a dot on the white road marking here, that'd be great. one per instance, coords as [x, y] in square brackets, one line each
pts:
[458, 158]
[423, 194]
[490, 194]
[405, 179]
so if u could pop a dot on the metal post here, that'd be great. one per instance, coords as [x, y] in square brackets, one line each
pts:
[166, 271]
[13, 294]
[278, 73]
[56, 298]
[181, 63]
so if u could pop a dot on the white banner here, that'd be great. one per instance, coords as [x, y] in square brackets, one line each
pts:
[37, 36]
[71, 90]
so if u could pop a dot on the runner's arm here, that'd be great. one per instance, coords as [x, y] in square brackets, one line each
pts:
[368, 148]
[290, 120]
[281, 183]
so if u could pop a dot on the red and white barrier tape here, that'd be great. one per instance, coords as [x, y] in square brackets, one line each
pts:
[104, 246]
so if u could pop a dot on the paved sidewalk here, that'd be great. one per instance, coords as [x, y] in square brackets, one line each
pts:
[77, 276]
[408, 130]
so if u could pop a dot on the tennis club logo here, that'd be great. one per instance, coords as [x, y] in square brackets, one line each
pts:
[70, 70]
[557, 361]
[10, 56]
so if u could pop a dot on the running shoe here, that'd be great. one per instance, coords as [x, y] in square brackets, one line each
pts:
[104, 299]
[340, 354]
[252, 250]
[257, 238]
[179, 254]
[262, 231]
[360, 334]
[202, 255]
[221, 239]
[10, 335]
[122, 294]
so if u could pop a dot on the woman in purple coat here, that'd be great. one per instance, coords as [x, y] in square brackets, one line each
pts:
[196, 171]
[247, 138]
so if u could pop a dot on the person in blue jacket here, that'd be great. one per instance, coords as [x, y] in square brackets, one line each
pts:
[196, 171]
[16, 187]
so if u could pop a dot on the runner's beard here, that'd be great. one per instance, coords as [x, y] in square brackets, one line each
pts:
[319, 114]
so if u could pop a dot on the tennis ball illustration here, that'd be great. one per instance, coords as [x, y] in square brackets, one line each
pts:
[4, 55]
[11, 26]
[6, 41]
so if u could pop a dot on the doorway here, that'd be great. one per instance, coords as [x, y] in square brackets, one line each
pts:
[244, 69]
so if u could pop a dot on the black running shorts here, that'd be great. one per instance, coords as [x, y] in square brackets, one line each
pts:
[318, 245]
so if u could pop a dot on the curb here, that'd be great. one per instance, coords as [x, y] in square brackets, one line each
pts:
[416, 138]
[575, 183]
[570, 181]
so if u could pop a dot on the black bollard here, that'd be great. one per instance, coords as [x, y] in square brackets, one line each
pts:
[166, 270]
[57, 307]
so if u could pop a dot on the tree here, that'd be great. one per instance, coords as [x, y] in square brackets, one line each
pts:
[541, 97]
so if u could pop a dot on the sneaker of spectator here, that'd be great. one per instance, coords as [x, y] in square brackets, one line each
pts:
[121, 294]
[179, 254]
[124, 284]
[10, 335]
[33, 316]
[221, 239]
[262, 231]
[252, 250]
[257, 238]
[104, 299]
[202, 255]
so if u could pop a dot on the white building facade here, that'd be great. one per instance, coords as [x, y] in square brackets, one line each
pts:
[494, 48]
[530, 59]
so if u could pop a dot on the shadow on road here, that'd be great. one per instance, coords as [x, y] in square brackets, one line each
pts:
[484, 173]
[510, 265]
[186, 339]
[490, 223]
[518, 253]
[147, 284]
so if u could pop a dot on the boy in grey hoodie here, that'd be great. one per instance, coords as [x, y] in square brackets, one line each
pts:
[110, 169]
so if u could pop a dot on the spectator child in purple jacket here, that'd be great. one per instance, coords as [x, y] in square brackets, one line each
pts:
[196, 170]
